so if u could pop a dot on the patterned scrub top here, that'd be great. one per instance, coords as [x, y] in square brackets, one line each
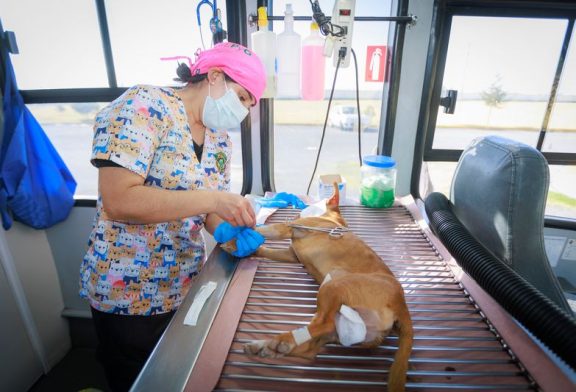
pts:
[146, 269]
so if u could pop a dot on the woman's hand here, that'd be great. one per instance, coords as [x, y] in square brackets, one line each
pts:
[235, 209]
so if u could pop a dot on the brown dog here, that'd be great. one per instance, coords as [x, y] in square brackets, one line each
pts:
[358, 279]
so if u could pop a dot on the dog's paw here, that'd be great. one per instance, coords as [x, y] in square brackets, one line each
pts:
[229, 246]
[273, 348]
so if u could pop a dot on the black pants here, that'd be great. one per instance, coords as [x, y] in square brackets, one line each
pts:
[125, 343]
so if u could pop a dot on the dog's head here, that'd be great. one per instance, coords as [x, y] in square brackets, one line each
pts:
[328, 219]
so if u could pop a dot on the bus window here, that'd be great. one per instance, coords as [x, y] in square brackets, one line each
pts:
[43, 56]
[505, 70]
[69, 127]
[502, 88]
[51, 40]
[298, 124]
[140, 38]
[561, 133]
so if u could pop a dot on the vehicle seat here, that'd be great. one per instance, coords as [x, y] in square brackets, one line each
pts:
[498, 193]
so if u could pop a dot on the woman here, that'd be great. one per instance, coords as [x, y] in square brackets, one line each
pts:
[163, 159]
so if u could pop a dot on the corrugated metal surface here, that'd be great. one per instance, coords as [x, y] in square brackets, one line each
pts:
[455, 346]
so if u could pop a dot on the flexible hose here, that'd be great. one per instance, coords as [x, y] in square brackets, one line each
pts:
[548, 322]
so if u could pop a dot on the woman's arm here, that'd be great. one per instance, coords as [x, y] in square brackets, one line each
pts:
[212, 222]
[125, 198]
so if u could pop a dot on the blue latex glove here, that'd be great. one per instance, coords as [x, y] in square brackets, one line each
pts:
[225, 232]
[247, 241]
[282, 200]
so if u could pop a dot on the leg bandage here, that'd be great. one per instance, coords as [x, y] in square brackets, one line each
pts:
[301, 335]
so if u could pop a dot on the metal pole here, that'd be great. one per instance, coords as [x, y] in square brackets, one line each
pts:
[410, 19]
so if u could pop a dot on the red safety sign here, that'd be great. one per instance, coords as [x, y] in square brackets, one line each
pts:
[376, 60]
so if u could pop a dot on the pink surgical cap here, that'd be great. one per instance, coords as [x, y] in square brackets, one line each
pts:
[236, 61]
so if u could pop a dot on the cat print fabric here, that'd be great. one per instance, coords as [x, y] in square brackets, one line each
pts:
[147, 269]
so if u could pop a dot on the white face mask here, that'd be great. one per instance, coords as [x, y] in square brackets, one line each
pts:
[225, 112]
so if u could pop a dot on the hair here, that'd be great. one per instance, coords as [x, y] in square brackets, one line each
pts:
[185, 75]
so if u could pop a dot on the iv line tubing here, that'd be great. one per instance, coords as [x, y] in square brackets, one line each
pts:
[325, 122]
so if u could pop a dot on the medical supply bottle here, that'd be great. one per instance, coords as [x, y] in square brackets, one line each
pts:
[378, 179]
[313, 65]
[288, 56]
[264, 45]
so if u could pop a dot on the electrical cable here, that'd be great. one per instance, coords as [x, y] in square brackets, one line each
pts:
[341, 55]
[325, 26]
[358, 108]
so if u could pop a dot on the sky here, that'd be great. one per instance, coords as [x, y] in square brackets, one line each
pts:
[60, 47]
[519, 54]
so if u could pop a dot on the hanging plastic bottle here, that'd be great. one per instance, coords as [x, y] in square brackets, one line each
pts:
[264, 45]
[313, 64]
[289, 47]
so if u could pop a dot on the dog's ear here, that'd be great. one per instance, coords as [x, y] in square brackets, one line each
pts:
[334, 201]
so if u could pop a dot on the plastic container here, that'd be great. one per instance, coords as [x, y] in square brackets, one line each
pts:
[264, 45]
[313, 64]
[289, 46]
[378, 178]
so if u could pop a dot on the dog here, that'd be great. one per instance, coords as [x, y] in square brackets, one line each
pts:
[351, 274]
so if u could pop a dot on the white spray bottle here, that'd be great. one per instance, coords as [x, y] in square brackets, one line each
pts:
[264, 45]
[288, 56]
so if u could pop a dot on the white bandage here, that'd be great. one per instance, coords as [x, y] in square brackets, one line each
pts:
[262, 213]
[301, 335]
[350, 327]
[316, 209]
[327, 279]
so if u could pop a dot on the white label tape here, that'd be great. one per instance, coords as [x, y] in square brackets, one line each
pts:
[199, 299]
[301, 335]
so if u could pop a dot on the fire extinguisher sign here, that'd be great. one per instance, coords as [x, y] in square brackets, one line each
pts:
[376, 59]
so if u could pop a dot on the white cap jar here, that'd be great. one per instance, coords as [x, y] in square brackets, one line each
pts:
[378, 181]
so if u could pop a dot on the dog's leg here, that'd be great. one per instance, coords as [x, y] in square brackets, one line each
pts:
[286, 255]
[306, 341]
[276, 231]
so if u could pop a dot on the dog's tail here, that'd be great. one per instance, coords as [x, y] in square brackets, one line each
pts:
[397, 376]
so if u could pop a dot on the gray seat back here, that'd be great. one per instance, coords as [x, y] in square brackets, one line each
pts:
[499, 194]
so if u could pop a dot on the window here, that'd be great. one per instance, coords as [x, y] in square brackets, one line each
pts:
[64, 50]
[502, 88]
[53, 37]
[143, 31]
[69, 127]
[504, 69]
[298, 123]
[561, 134]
